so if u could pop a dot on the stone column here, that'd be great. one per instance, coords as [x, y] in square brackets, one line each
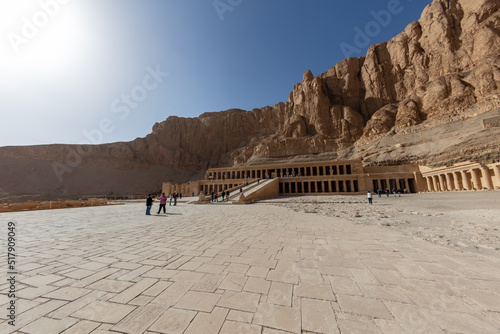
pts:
[449, 182]
[486, 177]
[405, 184]
[456, 181]
[429, 183]
[442, 182]
[465, 180]
[497, 174]
[476, 179]
[435, 180]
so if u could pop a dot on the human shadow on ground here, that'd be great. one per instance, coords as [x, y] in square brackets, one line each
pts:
[165, 214]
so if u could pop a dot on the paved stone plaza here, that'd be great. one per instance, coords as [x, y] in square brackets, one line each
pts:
[238, 269]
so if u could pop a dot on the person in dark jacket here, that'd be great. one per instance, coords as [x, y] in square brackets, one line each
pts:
[149, 204]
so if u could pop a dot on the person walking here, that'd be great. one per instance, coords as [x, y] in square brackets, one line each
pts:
[369, 196]
[163, 203]
[149, 204]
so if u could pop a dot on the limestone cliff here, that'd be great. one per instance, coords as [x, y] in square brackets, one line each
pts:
[421, 98]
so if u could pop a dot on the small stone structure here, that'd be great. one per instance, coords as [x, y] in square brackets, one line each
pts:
[493, 122]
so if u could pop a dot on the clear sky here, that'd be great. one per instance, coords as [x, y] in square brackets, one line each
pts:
[99, 71]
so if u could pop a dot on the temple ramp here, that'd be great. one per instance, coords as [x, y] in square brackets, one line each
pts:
[263, 190]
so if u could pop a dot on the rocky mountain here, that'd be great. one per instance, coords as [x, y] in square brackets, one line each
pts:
[423, 97]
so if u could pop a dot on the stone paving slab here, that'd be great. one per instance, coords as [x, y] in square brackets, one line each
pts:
[228, 269]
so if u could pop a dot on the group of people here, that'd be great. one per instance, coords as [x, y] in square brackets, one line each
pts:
[163, 202]
[386, 191]
[224, 194]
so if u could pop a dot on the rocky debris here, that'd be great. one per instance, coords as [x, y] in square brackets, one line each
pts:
[465, 225]
[8, 206]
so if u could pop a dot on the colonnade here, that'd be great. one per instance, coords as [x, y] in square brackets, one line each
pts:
[463, 177]
[301, 186]
[271, 171]
[347, 177]
[169, 188]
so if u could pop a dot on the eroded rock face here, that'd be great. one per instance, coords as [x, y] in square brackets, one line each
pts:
[442, 69]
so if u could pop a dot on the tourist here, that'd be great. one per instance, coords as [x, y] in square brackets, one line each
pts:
[163, 203]
[223, 194]
[379, 192]
[213, 194]
[149, 204]
[180, 195]
[175, 199]
[215, 198]
[387, 191]
[369, 196]
[170, 200]
[394, 192]
[227, 195]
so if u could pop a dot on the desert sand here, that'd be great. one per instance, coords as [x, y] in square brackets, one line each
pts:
[420, 263]
[466, 221]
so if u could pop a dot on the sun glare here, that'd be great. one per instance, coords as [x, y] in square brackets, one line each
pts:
[39, 36]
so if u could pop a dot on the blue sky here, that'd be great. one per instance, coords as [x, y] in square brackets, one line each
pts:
[98, 71]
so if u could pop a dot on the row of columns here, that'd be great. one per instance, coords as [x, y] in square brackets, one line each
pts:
[207, 189]
[265, 173]
[471, 179]
[396, 184]
[325, 186]
[176, 188]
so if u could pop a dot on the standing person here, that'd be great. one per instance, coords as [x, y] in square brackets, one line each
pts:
[149, 204]
[175, 199]
[227, 195]
[223, 194]
[170, 200]
[213, 194]
[379, 192]
[163, 202]
[369, 196]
